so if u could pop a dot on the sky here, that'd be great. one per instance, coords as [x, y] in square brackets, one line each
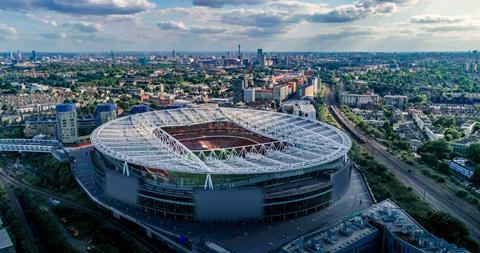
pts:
[220, 25]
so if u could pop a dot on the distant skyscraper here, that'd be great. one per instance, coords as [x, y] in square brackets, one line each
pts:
[104, 113]
[262, 61]
[239, 52]
[112, 55]
[259, 53]
[34, 55]
[67, 126]
[174, 54]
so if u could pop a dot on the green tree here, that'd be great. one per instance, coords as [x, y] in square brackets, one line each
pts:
[473, 152]
[439, 148]
[445, 122]
[475, 179]
[452, 134]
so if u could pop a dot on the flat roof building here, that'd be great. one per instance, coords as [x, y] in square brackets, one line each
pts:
[357, 100]
[384, 227]
[67, 126]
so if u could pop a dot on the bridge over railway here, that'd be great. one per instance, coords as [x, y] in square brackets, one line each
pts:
[53, 147]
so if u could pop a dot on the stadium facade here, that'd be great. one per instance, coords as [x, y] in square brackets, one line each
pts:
[221, 164]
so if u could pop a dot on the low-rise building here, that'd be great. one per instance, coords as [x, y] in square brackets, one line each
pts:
[47, 127]
[395, 101]
[301, 108]
[468, 127]
[462, 167]
[358, 100]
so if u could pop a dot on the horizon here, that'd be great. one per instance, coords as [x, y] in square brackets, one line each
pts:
[235, 51]
[220, 25]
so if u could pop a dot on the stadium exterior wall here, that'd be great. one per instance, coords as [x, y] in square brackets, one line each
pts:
[286, 194]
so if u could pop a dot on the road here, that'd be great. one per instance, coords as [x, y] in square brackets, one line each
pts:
[438, 197]
[142, 244]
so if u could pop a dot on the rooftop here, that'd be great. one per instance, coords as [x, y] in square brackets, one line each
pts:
[5, 241]
[353, 229]
[298, 143]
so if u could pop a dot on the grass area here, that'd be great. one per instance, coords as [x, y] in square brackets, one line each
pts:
[384, 185]
[324, 115]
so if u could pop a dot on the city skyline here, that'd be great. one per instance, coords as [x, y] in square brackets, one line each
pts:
[219, 25]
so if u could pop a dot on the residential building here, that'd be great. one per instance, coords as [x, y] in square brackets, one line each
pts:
[280, 92]
[395, 101]
[47, 127]
[104, 113]
[249, 95]
[238, 86]
[139, 109]
[67, 126]
[468, 127]
[358, 100]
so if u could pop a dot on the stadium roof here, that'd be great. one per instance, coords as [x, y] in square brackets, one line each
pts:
[138, 139]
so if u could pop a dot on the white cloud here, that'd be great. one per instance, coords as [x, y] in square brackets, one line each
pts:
[84, 27]
[435, 19]
[7, 32]
[88, 7]
[171, 25]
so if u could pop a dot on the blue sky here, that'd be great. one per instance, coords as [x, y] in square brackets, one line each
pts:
[275, 25]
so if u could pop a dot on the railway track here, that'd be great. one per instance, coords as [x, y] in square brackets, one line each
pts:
[463, 211]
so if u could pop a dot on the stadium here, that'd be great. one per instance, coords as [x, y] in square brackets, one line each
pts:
[221, 164]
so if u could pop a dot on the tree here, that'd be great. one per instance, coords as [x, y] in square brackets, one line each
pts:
[439, 148]
[473, 152]
[452, 134]
[445, 122]
[438, 221]
[475, 179]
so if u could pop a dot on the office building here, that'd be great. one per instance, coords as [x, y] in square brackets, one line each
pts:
[67, 126]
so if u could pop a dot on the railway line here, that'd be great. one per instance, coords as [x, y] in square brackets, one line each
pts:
[440, 199]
